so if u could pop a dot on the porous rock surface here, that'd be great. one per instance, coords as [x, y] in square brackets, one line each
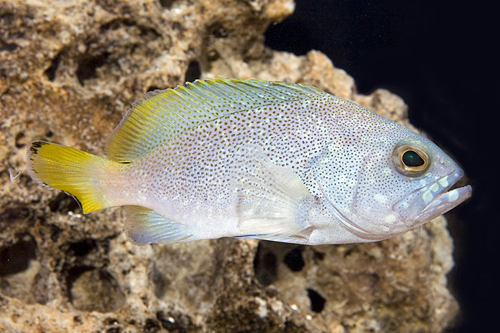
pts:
[69, 70]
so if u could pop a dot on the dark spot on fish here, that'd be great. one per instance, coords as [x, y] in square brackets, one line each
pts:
[114, 330]
[317, 301]
[38, 144]
[77, 319]
[294, 260]
[193, 72]
[35, 146]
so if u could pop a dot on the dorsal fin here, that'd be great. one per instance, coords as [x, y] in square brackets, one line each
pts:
[163, 115]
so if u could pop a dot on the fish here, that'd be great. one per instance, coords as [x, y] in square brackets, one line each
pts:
[256, 159]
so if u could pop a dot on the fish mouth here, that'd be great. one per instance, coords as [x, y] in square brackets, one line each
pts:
[433, 199]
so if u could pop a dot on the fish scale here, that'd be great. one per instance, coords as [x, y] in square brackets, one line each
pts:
[249, 158]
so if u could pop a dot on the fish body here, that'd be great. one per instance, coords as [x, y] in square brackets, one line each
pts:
[257, 159]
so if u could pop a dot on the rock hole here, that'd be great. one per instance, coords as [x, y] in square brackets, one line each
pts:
[116, 24]
[193, 72]
[82, 248]
[92, 289]
[88, 67]
[55, 233]
[153, 88]
[15, 214]
[151, 326]
[290, 326]
[265, 266]
[218, 31]
[212, 55]
[348, 252]
[64, 203]
[111, 321]
[20, 140]
[16, 258]
[160, 282]
[74, 272]
[317, 301]
[42, 288]
[146, 32]
[176, 322]
[294, 260]
[167, 3]
[7, 18]
[177, 26]
[9, 47]
[318, 255]
[51, 71]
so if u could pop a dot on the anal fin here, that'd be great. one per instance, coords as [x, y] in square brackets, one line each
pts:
[145, 226]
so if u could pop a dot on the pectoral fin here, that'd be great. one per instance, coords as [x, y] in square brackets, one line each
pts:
[272, 201]
[146, 226]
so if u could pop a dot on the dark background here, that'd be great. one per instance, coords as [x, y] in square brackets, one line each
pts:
[440, 57]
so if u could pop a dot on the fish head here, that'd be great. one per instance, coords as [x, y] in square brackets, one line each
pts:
[385, 185]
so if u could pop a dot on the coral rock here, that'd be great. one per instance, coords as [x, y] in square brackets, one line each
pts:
[68, 73]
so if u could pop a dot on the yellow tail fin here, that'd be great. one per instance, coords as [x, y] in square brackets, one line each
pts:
[70, 170]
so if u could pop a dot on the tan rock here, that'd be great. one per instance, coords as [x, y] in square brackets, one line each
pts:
[69, 71]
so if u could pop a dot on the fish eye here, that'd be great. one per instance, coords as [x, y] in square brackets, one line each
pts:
[410, 159]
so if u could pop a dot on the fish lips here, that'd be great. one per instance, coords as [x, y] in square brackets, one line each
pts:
[432, 200]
